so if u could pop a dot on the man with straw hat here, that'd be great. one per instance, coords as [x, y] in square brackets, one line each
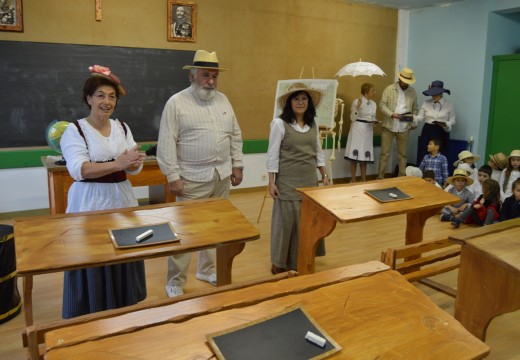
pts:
[200, 152]
[398, 105]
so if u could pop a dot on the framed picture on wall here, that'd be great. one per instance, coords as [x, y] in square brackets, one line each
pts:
[182, 21]
[11, 15]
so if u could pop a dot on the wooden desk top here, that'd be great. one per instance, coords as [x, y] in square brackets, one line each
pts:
[50, 165]
[72, 241]
[371, 316]
[350, 203]
[500, 241]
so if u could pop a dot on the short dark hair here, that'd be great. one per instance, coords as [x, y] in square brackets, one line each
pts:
[428, 174]
[435, 141]
[93, 83]
[486, 169]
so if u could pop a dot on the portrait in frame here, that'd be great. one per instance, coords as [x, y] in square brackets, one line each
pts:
[182, 21]
[11, 15]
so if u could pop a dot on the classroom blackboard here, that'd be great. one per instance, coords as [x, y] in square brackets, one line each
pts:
[42, 82]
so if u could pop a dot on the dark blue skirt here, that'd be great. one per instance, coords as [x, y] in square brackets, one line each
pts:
[102, 288]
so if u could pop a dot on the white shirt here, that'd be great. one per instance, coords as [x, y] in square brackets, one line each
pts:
[275, 140]
[442, 111]
[400, 108]
[506, 190]
[198, 137]
[367, 110]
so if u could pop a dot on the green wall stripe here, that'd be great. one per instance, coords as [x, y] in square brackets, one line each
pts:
[30, 157]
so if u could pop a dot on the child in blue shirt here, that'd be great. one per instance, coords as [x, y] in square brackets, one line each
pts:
[435, 161]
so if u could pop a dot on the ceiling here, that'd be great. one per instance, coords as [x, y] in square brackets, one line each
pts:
[408, 4]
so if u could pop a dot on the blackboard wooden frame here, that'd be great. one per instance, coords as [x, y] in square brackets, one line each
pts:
[43, 82]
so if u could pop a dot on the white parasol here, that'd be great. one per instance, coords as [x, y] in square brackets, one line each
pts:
[360, 68]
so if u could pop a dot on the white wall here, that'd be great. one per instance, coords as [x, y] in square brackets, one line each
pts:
[26, 188]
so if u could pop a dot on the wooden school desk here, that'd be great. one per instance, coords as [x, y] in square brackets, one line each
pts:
[489, 274]
[323, 207]
[371, 312]
[59, 182]
[56, 243]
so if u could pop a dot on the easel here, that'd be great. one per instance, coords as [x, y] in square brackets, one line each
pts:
[324, 133]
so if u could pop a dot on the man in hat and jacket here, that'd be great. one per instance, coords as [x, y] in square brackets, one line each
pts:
[200, 152]
[398, 105]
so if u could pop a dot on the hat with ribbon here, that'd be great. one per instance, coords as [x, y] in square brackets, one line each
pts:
[459, 174]
[464, 155]
[406, 76]
[98, 70]
[514, 153]
[315, 94]
[204, 60]
[499, 159]
[436, 88]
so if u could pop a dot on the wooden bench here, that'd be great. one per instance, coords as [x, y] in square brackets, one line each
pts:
[418, 262]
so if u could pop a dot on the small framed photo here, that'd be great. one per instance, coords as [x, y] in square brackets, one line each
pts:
[11, 15]
[182, 21]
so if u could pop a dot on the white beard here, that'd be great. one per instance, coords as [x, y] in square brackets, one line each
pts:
[204, 94]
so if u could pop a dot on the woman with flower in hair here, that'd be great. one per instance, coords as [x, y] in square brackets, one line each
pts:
[100, 152]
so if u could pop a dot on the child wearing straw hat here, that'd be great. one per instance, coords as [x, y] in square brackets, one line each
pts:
[498, 162]
[460, 180]
[468, 157]
[509, 174]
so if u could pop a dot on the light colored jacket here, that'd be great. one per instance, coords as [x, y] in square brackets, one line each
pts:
[389, 101]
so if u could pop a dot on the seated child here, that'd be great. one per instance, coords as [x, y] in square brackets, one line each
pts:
[498, 162]
[429, 176]
[484, 173]
[485, 210]
[510, 174]
[459, 180]
[511, 206]
[435, 161]
[468, 157]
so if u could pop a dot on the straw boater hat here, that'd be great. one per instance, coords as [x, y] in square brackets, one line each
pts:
[514, 153]
[459, 174]
[499, 159]
[413, 171]
[315, 94]
[205, 60]
[406, 76]
[436, 88]
[464, 155]
[103, 71]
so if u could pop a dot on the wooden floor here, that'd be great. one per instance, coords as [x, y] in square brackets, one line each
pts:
[348, 244]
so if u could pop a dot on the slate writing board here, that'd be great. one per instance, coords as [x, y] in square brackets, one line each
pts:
[125, 238]
[42, 82]
[281, 336]
[383, 195]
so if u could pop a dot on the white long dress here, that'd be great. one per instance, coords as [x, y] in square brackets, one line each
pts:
[360, 140]
[108, 287]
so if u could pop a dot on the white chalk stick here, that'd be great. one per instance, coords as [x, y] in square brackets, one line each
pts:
[315, 339]
[393, 195]
[143, 236]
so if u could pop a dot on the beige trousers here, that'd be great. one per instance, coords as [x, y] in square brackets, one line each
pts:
[387, 137]
[178, 265]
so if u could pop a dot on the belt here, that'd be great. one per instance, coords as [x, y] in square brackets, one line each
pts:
[364, 121]
[114, 177]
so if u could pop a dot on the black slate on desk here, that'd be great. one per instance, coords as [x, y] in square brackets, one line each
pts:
[281, 336]
[125, 238]
[383, 195]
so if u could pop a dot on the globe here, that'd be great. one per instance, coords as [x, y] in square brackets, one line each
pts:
[54, 132]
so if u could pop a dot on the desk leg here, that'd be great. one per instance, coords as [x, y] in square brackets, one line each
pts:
[315, 224]
[225, 256]
[415, 225]
[486, 288]
[27, 299]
